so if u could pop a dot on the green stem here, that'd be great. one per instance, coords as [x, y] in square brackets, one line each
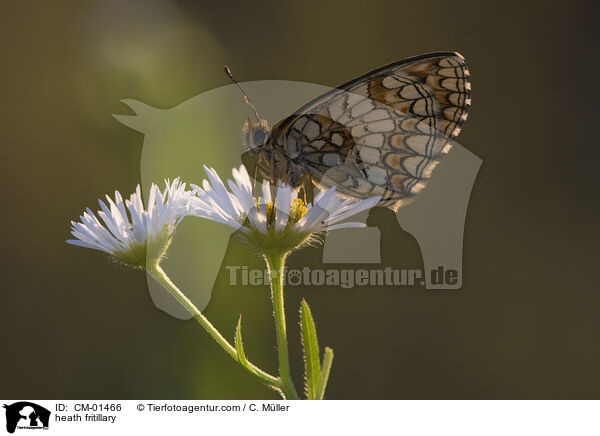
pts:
[276, 265]
[161, 277]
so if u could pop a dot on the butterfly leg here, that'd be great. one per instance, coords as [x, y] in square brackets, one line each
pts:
[308, 188]
[256, 165]
[264, 172]
[311, 191]
[299, 184]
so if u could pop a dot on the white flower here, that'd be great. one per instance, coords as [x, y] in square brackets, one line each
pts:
[131, 237]
[283, 217]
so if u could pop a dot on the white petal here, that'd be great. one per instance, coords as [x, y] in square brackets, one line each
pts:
[348, 225]
[282, 206]
[366, 204]
[316, 213]
[266, 190]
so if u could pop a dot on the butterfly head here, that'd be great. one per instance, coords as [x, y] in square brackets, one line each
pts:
[255, 135]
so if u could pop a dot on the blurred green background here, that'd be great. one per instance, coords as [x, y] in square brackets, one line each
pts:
[525, 324]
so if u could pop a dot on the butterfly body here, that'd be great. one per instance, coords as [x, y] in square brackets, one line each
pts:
[380, 134]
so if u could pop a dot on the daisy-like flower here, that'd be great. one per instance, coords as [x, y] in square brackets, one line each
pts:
[276, 223]
[141, 236]
[279, 222]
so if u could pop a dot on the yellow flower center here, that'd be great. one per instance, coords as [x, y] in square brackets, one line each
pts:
[297, 210]
[278, 243]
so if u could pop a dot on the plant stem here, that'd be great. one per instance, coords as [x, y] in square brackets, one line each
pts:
[276, 265]
[161, 277]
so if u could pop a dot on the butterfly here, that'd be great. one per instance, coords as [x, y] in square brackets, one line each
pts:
[379, 134]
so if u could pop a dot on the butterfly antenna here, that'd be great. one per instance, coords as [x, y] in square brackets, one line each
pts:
[246, 98]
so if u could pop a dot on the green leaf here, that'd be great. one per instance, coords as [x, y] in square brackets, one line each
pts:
[327, 361]
[239, 347]
[312, 365]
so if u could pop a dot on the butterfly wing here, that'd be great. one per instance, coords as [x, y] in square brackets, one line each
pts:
[382, 133]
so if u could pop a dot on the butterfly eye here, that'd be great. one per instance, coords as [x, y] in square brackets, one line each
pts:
[259, 138]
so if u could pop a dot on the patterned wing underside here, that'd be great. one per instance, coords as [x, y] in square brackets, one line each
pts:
[383, 133]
